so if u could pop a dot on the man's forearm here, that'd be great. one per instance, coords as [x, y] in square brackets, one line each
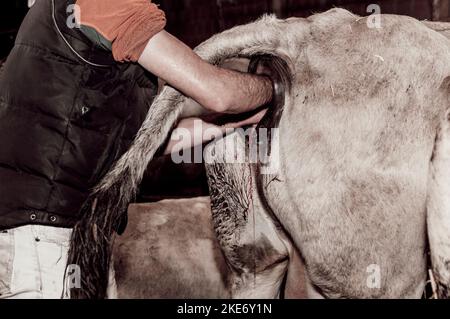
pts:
[215, 88]
[241, 92]
[202, 133]
[133, 31]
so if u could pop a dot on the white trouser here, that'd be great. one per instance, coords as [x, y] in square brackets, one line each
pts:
[33, 262]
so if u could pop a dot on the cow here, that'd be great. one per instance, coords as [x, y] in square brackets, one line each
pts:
[361, 181]
[363, 164]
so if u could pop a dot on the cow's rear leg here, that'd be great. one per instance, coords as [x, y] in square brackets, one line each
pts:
[312, 291]
[255, 248]
[438, 209]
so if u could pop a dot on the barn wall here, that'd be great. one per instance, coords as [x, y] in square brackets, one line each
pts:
[11, 16]
[196, 20]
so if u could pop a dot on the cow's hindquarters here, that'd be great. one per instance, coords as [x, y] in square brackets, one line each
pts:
[438, 209]
[256, 249]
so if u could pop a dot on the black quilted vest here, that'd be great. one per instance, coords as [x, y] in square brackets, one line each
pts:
[67, 112]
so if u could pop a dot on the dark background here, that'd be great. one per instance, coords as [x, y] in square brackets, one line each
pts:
[194, 21]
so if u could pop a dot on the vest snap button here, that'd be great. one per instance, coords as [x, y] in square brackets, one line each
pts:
[53, 219]
[84, 110]
[33, 216]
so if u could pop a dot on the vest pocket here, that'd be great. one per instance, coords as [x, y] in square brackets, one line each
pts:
[6, 261]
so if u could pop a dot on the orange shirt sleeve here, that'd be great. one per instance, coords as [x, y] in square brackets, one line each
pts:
[127, 24]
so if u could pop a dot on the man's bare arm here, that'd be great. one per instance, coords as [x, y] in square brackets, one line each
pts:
[215, 88]
[198, 135]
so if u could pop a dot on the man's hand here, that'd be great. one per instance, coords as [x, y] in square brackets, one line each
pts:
[217, 89]
[195, 131]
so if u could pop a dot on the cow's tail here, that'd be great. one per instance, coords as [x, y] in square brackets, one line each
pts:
[282, 77]
[281, 73]
[101, 214]
[438, 211]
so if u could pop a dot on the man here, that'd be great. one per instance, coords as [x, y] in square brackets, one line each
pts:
[71, 101]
